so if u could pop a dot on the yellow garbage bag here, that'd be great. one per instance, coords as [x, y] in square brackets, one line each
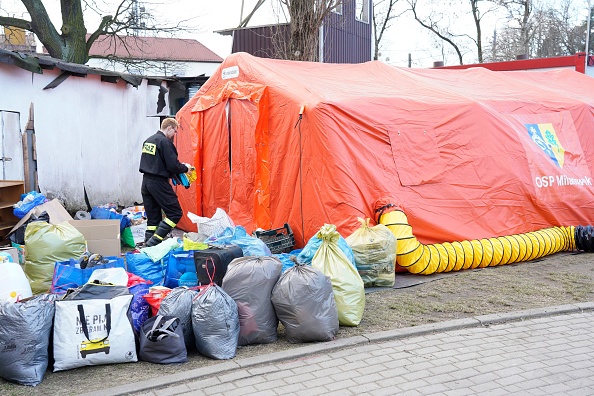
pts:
[347, 285]
[190, 244]
[46, 244]
[374, 249]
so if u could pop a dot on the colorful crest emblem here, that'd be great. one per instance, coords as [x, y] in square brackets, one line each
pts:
[545, 137]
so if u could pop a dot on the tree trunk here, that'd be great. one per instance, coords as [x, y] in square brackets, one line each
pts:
[477, 24]
[304, 28]
[74, 32]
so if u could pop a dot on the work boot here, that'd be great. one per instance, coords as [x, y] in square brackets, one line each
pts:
[150, 231]
[163, 229]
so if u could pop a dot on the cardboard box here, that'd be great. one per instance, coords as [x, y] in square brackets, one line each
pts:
[102, 236]
[54, 209]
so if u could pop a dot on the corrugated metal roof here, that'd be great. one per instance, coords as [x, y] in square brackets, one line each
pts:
[36, 63]
[152, 48]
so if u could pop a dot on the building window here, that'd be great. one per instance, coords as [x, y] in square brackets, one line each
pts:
[338, 8]
[362, 11]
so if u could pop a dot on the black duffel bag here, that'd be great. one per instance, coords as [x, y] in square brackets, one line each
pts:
[162, 341]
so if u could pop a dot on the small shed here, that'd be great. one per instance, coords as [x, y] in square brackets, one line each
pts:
[80, 128]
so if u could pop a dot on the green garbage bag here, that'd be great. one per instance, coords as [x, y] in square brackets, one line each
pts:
[127, 238]
[44, 245]
[374, 249]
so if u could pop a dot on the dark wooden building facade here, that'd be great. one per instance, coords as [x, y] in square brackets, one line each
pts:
[347, 35]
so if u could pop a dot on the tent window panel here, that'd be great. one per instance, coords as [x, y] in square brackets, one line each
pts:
[417, 157]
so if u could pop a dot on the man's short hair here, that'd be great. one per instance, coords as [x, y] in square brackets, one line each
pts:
[167, 122]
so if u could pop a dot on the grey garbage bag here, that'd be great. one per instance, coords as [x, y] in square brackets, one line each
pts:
[215, 323]
[304, 303]
[178, 303]
[162, 341]
[25, 329]
[249, 281]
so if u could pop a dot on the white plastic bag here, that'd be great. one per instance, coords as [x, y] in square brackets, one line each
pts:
[115, 276]
[209, 226]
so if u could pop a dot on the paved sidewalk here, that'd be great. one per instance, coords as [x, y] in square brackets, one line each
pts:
[547, 351]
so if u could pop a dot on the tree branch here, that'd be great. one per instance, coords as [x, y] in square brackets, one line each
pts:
[43, 28]
[413, 8]
[106, 21]
[15, 22]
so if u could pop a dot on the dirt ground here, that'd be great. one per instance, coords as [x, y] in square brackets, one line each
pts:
[563, 278]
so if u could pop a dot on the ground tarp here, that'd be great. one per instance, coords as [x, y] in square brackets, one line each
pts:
[467, 154]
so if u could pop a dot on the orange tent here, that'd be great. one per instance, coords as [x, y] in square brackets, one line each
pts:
[467, 154]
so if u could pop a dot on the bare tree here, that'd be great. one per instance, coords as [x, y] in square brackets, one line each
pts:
[438, 23]
[74, 41]
[306, 18]
[478, 14]
[521, 11]
[384, 14]
[443, 19]
[539, 30]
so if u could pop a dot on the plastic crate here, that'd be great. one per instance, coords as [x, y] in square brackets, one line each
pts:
[278, 240]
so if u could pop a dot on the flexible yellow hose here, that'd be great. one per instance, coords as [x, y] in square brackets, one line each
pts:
[418, 258]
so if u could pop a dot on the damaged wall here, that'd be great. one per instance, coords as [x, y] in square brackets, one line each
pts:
[88, 133]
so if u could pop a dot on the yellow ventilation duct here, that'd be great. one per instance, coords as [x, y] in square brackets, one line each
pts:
[418, 258]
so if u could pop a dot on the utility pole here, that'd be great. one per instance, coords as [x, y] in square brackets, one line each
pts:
[409, 61]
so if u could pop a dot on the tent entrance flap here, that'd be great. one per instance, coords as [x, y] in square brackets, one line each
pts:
[216, 172]
[242, 153]
[229, 132]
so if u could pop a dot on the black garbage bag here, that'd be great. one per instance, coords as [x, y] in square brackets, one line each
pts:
[249, 281]
[215, 323]
[25, 329]
[18, 236]
[178, 303]
[304, 303]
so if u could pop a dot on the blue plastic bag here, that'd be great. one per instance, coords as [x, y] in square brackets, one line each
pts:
[140, 264]
[106, 214]
[181, 270]
[69, 275]
[309, 251]
[139, 307]
[34, 200]
[285, 259]
[251, 246]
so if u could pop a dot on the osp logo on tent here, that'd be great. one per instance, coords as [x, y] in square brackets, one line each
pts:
[545, 137]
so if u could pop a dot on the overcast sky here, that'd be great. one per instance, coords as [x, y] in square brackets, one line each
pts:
[404, 37]
[211, 16]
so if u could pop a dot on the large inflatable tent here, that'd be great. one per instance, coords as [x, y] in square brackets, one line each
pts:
[465, 154]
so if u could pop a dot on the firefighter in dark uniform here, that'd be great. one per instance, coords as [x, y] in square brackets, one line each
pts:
[159, 163]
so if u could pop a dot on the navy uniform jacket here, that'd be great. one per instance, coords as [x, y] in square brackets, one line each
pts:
[159, 157]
